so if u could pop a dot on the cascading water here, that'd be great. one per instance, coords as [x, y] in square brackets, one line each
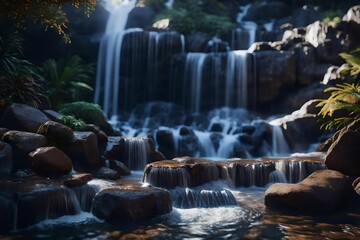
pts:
[107, 78]
[193, 78]
[137, 153]
[280, 146]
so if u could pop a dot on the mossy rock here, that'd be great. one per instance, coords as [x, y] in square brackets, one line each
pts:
[88, 112]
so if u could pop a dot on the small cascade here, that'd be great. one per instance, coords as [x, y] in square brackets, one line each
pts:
[280, 146]
[243, 37]
[137, 152]
[214, 194]
[296, 171]
[168, 178]
[207, 147]
[227, 145]
[194, 68]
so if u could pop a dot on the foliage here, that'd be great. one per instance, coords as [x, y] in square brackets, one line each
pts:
[332, 17]
[67, 80]
[345, 98]
[48, 13]
[20, 89]
[88, 112]
[73, 122]
[353, 59]
[189, 16]
[19, 81]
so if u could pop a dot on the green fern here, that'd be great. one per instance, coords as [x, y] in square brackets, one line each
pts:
[353, 59]
[344, 97]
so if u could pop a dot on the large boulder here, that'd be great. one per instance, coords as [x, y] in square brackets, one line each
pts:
[166, 143]
[56, 133]
[343, 153]
[84, 151]
[23, 117]
[50, 161]
[131, 202]
[140, 17]
[101, 136]
[323, 191]
[276, 70]
[305, 16]
[266, 10]
[5, 159]
[22, 144]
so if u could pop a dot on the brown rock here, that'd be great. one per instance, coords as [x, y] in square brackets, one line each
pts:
[56, 133]
[78, 179]
[119, 167]
[100, 135]
[323, 191]
[50, 161]
[23, 117]
[84, 151]
[107, 173]
[22, 144]
[343, 154]
[131, 202]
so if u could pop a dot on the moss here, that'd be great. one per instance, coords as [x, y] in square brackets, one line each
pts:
[89, 113]
[73, 123]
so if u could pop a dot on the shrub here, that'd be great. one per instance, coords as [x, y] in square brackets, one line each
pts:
[73, 122]
[90, 113]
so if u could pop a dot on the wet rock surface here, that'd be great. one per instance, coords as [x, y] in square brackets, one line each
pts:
[323, 191]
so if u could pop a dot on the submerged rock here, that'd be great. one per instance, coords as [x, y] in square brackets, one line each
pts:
[107, 173]
[323, 191]
[131, 202]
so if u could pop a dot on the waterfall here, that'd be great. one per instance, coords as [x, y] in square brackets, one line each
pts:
[194, 68]
[280, 146]
[137, 153]
[236, 79]
[108, 71]
[242, 38]
[169, 4]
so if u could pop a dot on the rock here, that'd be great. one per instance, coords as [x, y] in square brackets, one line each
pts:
[131, 202]
[84, 151]
[22, 144]
[275, 71]
[56, 133]
[353, 14]
[107, 173]
[196, 42]
[159, 156]
[166, 144]
[323, 191]
[260, 46]
[266, 11]
[343, 154]
[5, 159]
[308, 69]
[78, 179]
[119, 167]
[140, 17]
[115, 148]
[305, 16]
[2, 132]
[300, 129]
[52, 115]
[23, 117]
[356, 185]
[50, 161]
[101, 136]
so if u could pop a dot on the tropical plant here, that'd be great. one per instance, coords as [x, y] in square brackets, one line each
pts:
[343, 105]
[48, 13]
[90, 113]
[67, 80]
[20, 89]
[332, 17]
[19, 80]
